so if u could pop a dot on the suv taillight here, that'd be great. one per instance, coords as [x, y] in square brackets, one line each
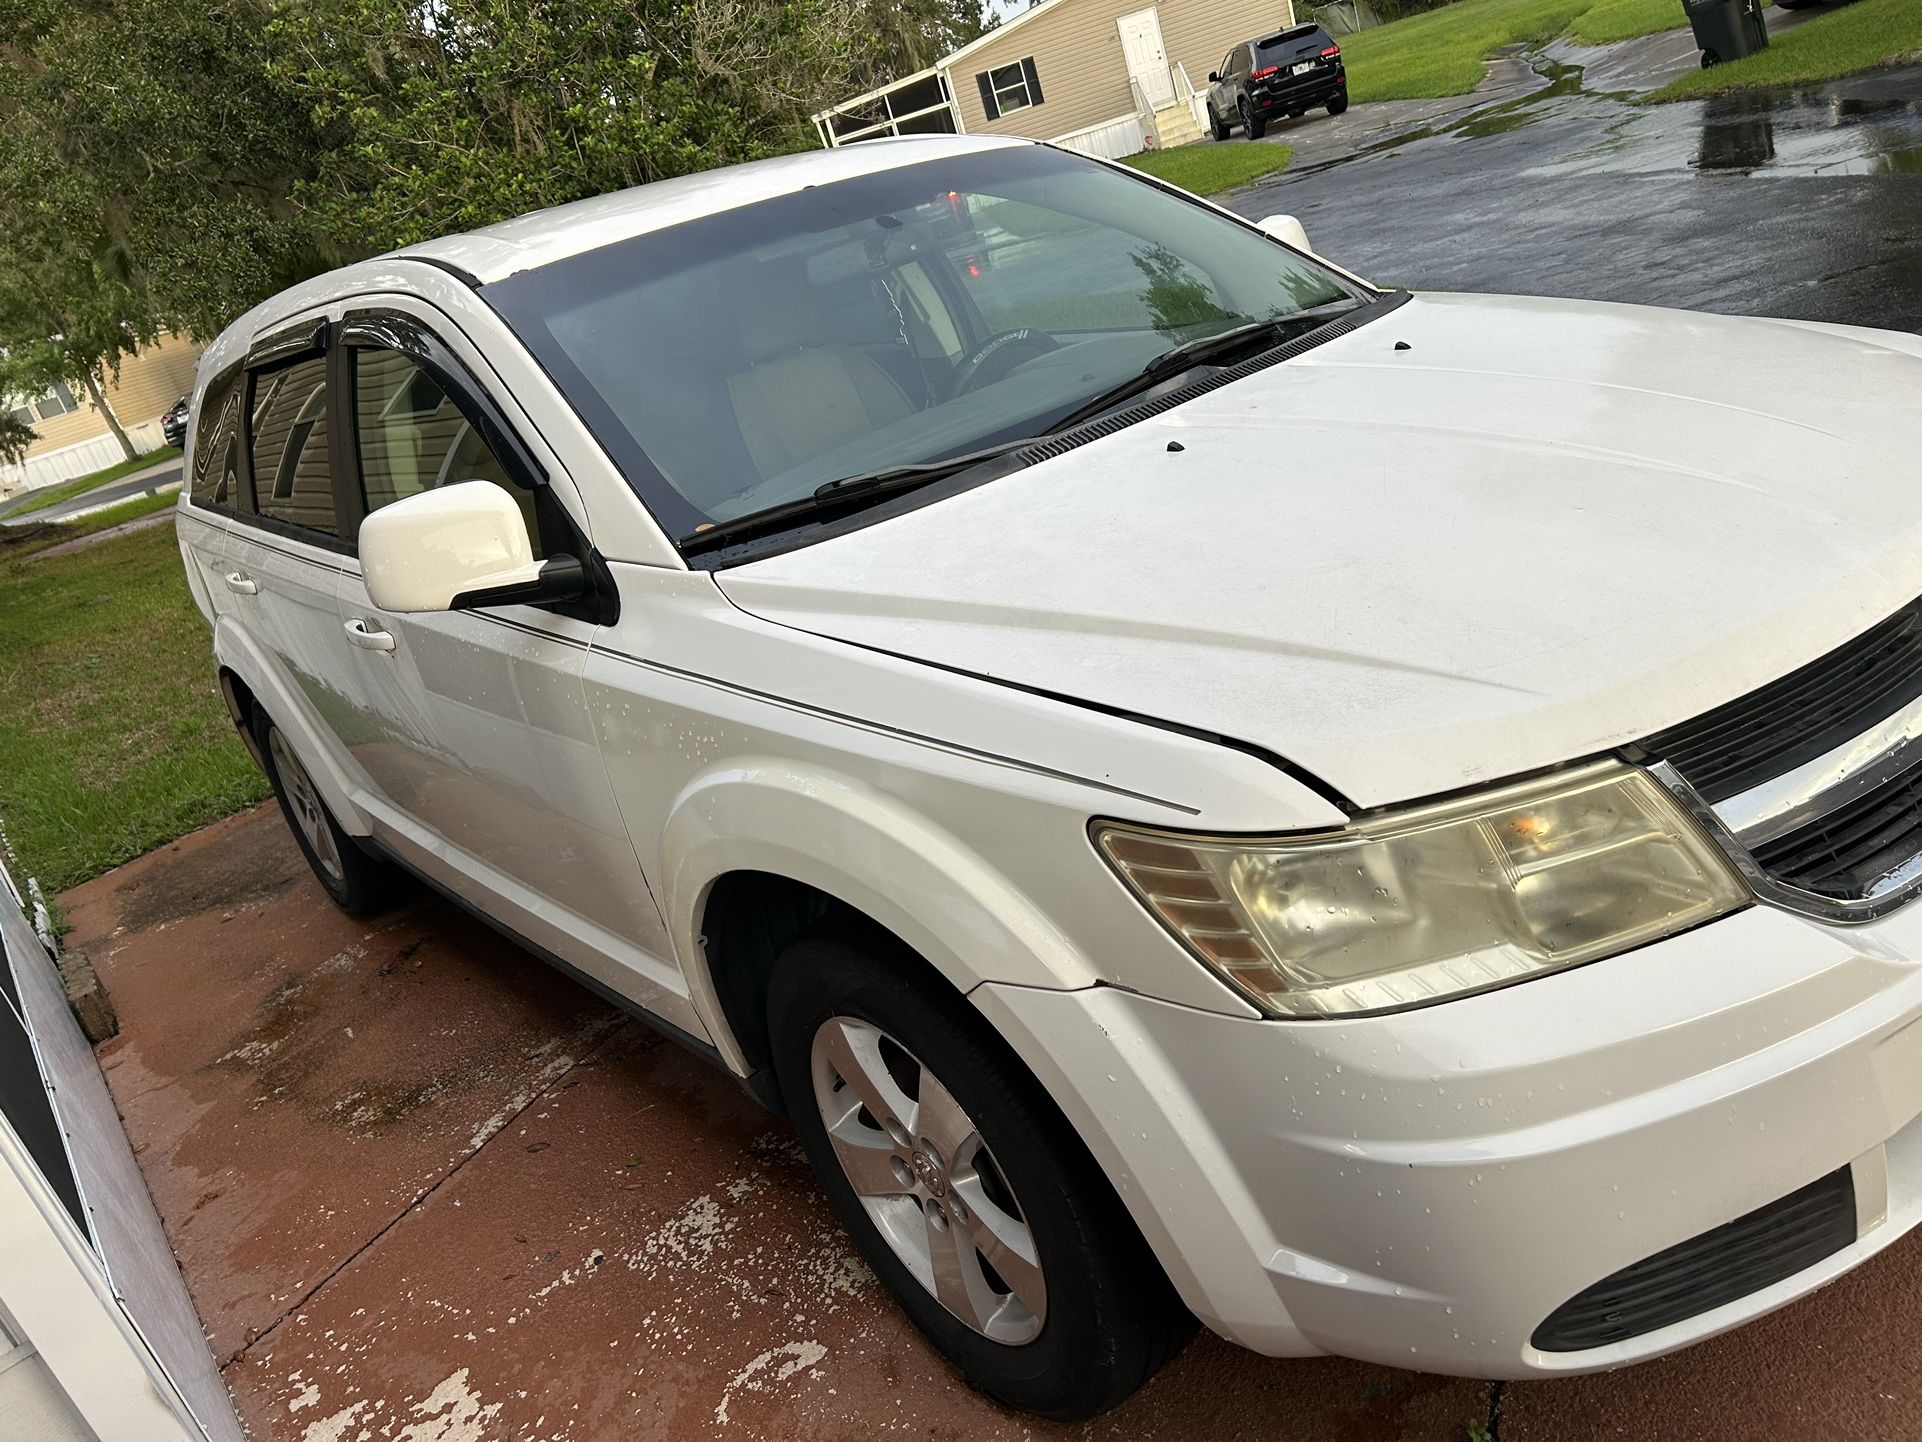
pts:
[1264, 74]
[1331, 52]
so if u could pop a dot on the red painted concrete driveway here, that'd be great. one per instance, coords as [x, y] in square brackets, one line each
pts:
[426, 1190]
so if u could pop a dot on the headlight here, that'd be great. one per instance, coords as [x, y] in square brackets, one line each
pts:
[1405, 909]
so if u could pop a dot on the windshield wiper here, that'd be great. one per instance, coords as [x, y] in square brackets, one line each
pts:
[1203, 349]
[894, 478]
[832, 495]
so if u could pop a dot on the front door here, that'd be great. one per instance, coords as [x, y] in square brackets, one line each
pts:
[473, 727]
[1147, 60]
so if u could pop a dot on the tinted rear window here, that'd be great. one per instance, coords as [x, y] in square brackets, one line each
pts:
[1302, 37]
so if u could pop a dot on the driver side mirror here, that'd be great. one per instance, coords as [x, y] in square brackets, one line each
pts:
[458, 547]
[1287, 230]
[1213, 78]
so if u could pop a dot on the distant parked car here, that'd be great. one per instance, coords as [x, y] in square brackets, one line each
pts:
[173, 425]
[1288, 73]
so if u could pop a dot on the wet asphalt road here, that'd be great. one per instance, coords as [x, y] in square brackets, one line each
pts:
[1804, 204]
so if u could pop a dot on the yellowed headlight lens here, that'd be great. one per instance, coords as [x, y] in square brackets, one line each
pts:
[1435, 902]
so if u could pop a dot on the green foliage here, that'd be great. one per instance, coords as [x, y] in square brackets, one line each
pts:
[1856, 37]
[441, 118]
[147, 164]
[165, 164]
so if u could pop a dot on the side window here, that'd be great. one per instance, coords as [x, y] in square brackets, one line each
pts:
[292, 479]
[1227, 65]
[217, 447]
[414, 437]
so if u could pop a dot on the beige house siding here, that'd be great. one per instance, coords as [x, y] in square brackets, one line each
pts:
[1076, 49]
[149, 383]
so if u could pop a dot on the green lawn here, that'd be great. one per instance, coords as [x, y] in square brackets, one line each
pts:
[53, 495]
[1210, 166]
[1851, 38]
[113, 738]
[1441, 52]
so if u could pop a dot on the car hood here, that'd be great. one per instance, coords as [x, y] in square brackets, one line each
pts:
[1474, 537]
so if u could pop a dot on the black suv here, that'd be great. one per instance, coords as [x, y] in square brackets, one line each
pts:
[1287, 73]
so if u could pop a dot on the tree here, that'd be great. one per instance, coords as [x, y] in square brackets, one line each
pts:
[450, 114]
[64, 300]
[147, 168]
[910, 35]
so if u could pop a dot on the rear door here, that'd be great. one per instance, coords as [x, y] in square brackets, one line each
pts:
[285, 558]
[211, 493]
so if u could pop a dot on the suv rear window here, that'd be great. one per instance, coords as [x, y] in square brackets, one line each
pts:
[1289, 42]
[217, 446]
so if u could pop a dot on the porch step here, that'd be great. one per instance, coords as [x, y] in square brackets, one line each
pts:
[1176, 126]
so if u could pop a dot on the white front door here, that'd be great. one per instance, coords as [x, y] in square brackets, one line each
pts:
[1147, 61]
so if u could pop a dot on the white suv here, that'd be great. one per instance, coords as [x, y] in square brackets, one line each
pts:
[1381, 822]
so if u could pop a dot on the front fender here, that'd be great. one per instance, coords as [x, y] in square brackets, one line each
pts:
[236, 651]
[970, 921]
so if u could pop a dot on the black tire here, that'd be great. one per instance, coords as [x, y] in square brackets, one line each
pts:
[1111, 1319]
[1250, 122]
[359, 884]
[1217, 127]
[1710, 58]
[1339, 105]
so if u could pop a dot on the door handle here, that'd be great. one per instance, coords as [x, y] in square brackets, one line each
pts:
[367, 640]
[241, 585]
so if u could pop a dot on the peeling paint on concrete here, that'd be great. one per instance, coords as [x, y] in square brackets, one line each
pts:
[756, 1376]
[334, 1428]
[452, 1412]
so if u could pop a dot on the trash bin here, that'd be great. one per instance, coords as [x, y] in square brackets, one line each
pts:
[1727, 29]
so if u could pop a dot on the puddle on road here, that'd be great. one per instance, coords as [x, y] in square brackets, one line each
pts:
[1862, 125]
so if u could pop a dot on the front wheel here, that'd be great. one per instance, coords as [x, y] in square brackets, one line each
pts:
[1217, 127]
[968, 1193]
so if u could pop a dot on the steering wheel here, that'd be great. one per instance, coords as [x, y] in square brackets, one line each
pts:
[996, 356]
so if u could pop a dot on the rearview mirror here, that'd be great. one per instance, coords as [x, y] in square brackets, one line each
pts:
[1213, 77]
[455, 547]
[1287, 230]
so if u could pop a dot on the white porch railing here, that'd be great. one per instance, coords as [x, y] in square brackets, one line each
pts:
[1196, 100]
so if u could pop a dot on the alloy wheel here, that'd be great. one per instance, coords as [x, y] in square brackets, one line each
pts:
[927, 1180]
[309, 814]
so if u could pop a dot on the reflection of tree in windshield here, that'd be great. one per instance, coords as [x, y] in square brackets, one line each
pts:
[1176, 297]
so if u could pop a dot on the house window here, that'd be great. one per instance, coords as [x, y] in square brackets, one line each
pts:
[20, 415]
[56, 402]
[1008, 88]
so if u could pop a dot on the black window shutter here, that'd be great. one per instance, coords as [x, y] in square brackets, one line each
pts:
[1034, 81]
[987, 96]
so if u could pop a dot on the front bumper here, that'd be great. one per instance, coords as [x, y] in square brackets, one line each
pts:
[1424, 1189]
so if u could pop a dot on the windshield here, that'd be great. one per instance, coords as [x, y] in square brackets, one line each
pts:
[740, 362]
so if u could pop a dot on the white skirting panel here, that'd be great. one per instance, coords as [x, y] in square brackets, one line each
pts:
[1110, 140]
